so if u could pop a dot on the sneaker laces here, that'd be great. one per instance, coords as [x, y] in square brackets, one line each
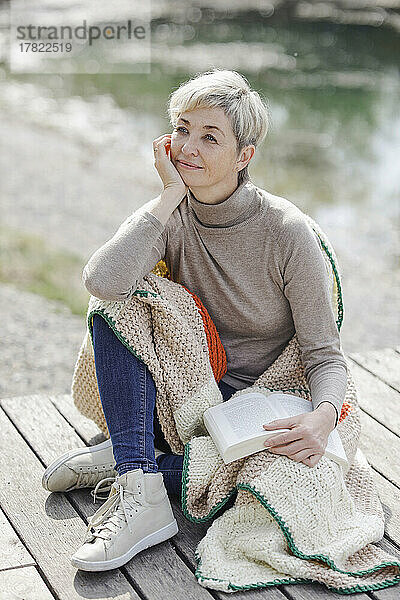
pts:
[91, 479]
[108, 519]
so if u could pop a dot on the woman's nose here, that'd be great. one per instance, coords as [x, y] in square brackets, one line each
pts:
[190, 147]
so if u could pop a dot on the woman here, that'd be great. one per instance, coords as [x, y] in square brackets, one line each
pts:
[222, 237]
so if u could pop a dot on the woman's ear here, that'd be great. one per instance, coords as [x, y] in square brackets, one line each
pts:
[245, 157]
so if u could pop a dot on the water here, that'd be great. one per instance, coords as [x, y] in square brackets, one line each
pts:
[332, 148]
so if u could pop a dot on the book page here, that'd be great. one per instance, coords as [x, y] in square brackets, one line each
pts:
[248, 413]
[289, 404]
[334, 444]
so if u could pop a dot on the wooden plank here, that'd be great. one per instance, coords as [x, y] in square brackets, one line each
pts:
[21, 584]
[381, 448]
[157, 570]
[190, 533]
[48, 525]
[380, 402]
[12, 551]
[389, 496]
[377, 399]
[84, 427]
[384, 363]
[390, 547]
[392, 592]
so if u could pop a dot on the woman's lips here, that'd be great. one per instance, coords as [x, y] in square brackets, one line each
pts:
[188, 166]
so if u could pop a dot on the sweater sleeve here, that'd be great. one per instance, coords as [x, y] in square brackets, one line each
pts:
[114, 270]
[307, 287]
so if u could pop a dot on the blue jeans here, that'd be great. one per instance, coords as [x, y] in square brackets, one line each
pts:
[128, 396]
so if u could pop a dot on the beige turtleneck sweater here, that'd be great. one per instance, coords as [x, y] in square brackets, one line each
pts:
[256, 265]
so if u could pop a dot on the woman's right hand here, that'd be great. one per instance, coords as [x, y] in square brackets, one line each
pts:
[166, 169]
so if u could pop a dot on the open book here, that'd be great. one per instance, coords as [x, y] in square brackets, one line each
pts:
[236, 426]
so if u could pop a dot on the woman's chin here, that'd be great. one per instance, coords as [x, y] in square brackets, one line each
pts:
[189, 177]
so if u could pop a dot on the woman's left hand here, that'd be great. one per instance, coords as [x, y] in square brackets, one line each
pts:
[308, 436]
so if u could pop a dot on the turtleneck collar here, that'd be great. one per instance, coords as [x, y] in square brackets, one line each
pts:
[233, 210]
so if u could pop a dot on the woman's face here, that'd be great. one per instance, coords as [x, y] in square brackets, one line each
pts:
[204, 137]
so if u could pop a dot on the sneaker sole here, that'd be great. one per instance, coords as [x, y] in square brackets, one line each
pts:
[71, 454]
[152, 539]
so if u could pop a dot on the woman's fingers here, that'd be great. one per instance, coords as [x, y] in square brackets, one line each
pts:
[311, 461]
[303, 454]
[161, 150]
[294, 450]
[166, 169]
[161, 141]
[160, 137]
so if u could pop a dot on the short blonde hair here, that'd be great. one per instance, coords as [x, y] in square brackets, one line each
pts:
[247, 111]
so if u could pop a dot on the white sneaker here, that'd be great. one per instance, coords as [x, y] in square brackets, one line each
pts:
[81, 468]
[137, 515]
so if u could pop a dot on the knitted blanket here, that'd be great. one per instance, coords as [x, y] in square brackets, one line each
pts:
[290, 523]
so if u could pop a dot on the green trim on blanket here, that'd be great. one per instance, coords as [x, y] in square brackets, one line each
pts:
[145, 293]
[185, 471]
[339, 320]
[111, 323]
[293, 581]
[305, 390]
[322, 557]
[250, 586]
[289, 538]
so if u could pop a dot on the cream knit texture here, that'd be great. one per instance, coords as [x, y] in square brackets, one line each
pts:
[290, 523]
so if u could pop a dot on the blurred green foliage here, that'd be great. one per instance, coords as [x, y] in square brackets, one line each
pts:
[28, 263]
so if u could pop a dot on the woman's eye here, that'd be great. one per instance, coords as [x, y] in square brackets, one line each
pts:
[184, 130]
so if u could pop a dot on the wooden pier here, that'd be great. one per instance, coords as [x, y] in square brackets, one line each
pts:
[40, 531]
